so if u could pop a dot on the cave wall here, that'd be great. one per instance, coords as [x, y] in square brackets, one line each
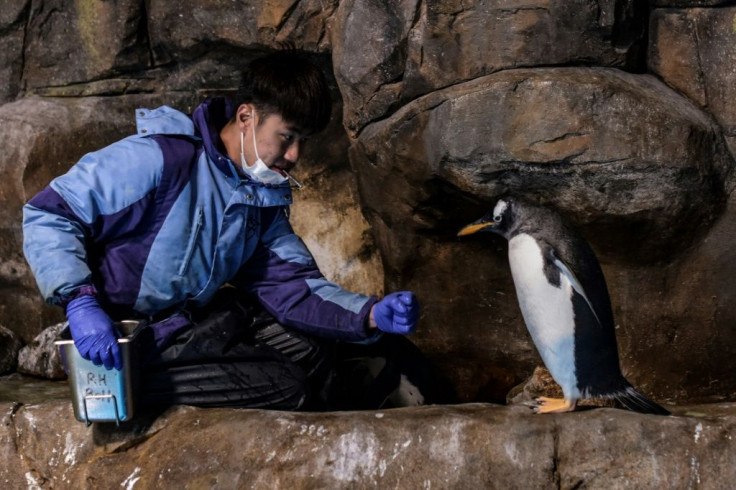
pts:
[620, 114]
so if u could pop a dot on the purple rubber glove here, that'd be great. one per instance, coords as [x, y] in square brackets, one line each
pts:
[93, 333]
[397, 313]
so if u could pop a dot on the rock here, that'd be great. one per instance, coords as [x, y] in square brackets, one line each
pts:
[13, 18]
[388, 53]
[688, 308]
[692, 50]
[176, 34]
[41, 357]
[639, 169]
[465, 446]
[10, 345]
[71, 42]
[327, 216]
[11, 469]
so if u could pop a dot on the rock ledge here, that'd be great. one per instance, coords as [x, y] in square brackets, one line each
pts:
[462, 446]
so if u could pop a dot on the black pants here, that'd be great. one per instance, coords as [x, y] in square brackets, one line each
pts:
[234, 354]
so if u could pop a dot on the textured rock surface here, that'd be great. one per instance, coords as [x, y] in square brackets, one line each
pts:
[410, 48]
[469, 446]
[41, 357]
[13, 17]
[693, 51]
[10, 345]
[602, 145]
[72, 42]
[179, 30]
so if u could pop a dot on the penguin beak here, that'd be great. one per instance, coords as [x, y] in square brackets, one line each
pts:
[476, 227]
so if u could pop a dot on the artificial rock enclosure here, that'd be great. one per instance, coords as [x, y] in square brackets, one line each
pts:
[620, 114]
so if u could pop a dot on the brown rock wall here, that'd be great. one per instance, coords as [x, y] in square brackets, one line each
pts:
[189, 28]
[410, 48]
[72, 42]
[13, 17]
[693, 51]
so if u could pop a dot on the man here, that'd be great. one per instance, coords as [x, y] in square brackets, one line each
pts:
[155, 225]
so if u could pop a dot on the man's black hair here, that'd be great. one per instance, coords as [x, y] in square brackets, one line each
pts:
[287, 83]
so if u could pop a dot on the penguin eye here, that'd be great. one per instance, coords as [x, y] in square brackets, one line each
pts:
[497, 218]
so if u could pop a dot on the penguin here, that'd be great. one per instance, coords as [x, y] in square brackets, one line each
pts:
[564, 300]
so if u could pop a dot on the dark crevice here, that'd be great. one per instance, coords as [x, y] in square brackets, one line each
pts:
[146, 34]
[417, 15]
[701, 73]
[132, 443]
[287, 15]
[47, 17]
[27, 15]
[560, 138]
[556, 477]
[13, 430]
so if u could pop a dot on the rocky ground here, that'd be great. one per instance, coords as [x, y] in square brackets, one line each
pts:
[461, 446]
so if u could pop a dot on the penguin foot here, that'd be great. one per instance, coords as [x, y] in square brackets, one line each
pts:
[554, 405]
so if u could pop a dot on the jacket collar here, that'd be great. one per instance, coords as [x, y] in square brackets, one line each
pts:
[209, 118]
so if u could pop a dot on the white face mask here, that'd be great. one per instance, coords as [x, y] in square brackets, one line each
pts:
[259, 171]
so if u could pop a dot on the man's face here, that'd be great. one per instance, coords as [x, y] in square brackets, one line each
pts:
[278, 142]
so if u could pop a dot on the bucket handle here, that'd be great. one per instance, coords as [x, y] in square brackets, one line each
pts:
[101, 397]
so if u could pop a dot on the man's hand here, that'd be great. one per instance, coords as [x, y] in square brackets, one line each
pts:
[93, 333]
[396, 313]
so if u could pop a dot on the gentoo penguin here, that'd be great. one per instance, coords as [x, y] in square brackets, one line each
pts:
[565, 304]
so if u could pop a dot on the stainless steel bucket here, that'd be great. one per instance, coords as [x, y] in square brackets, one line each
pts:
[99, 394]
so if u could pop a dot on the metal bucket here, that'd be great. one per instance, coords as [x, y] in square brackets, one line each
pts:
[99, 394]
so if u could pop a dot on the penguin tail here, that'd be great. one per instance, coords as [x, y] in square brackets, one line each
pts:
[635, 401]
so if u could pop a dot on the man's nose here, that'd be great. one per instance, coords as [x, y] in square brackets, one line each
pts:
[292, 152]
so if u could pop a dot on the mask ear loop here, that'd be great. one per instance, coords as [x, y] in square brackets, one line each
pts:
[242, 154]
[255, 146]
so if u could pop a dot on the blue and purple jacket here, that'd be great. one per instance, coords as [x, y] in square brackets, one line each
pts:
[161, 220]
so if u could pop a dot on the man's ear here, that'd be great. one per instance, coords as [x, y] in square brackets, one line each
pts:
[244, 114]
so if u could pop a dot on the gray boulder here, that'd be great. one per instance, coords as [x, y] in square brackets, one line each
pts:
[41, 357]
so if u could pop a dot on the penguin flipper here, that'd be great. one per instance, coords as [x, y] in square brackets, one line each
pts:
[574, 282]
[636, 402]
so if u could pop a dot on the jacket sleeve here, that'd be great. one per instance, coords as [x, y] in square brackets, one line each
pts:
[284, 277]
[64, 219]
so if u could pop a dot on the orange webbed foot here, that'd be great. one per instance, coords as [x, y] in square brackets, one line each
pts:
[554, 405]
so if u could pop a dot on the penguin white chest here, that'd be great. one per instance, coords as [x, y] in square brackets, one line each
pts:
[547, 309]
